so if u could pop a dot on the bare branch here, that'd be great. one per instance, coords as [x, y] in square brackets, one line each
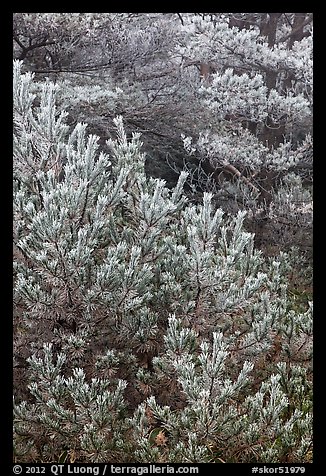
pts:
[236, 172]
[181, 19]
[295, 30]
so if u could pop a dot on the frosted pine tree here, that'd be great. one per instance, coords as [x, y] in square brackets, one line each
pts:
[257, 83]
[239, 84]
[146, 328]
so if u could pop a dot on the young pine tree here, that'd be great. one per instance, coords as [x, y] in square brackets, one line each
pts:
[146, 329]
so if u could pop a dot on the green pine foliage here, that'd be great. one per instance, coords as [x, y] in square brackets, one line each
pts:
[146, 328]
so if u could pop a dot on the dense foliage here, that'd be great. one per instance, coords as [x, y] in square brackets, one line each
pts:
[162, 237]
